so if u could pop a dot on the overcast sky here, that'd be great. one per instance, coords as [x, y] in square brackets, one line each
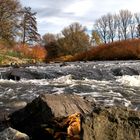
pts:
[54, 15]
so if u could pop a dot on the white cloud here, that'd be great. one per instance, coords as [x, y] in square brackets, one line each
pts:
[80, 8]
[54, 15]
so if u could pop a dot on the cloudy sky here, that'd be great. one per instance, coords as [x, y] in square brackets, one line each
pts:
[54, 15]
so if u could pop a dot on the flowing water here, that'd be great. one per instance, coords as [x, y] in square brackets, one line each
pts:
[105, 82]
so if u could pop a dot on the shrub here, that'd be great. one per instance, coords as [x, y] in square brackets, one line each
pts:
[120, 50]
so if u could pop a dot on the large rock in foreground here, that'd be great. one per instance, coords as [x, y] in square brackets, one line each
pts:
[50, 115]
[112, 123]
[71, 117]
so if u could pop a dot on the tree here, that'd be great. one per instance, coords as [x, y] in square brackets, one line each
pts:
[73, 40]
[96, 39]
[101, 26]
[9, 19]
[119, 34]
[29, 26]
[48, 38]
[112, 26]
[138, 31]
[137, 17]
[50, 44]
[125, 19]
[132, 28]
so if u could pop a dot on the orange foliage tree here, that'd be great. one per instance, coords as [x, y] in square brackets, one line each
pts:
[35, 52]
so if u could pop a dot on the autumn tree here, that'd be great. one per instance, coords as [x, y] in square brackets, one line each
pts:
[50, 44]
[48, 38]
[9, 19]
[96, 39]
[73, 39]
[29, 26]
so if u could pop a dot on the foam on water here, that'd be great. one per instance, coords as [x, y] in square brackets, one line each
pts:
[129, 80]
[7, 81]
[64, 80]
[58, 90]
[35, 81]
[122, 91]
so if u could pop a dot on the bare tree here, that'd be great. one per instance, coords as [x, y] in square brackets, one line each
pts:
[137, 17]
[101, 26]
[119, 34]
[132, 28]
[112, 26]
[125, 19]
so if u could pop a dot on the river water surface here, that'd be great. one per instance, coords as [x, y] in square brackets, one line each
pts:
[107, 83]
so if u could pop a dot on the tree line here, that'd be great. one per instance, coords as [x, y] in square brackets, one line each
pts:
[17, 22]
[121, 26]
[108, 28]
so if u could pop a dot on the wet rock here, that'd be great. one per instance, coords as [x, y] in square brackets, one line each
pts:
[47, 106]
[51, 113]
[113, 123]
[12, 134]
[21, 73]
[71, 117]
[63, 64]
[81, 73]
[124, 71]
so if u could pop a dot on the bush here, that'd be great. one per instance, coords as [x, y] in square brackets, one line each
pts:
[124, 50]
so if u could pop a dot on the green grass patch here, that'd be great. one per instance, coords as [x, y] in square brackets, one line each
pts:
[14, 54]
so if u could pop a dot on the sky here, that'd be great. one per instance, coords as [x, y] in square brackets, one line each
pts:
[53, 15]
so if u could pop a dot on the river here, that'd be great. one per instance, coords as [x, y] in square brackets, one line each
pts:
[105, 82]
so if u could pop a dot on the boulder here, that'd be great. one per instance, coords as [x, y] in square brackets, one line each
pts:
[50, 113]
[124, 71]
[68, 116]
[21, 73]
[111, 123]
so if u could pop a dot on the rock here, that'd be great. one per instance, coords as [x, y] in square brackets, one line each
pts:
[66, 104]
[25, 73]
[21, 73]
[12, 134]
[112, 123]
[63, 64]
[49, 112]
[124, 71]
[66, 116]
